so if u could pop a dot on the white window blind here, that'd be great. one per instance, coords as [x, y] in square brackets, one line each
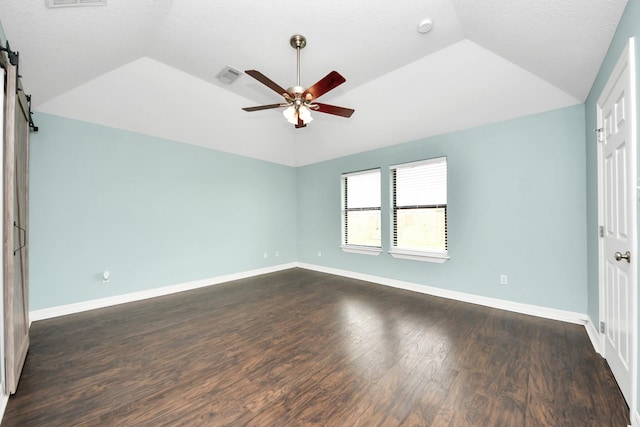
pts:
[361, 209]
[419, 196]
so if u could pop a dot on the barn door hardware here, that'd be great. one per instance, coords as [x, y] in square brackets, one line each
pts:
[24, 237]
[31, 124]
[14, 57]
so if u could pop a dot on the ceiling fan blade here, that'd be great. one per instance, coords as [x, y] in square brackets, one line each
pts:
[266, 81]
[264, 107]
[324, 85]
[333, 109]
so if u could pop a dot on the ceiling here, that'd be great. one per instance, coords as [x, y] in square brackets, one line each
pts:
[150, 66]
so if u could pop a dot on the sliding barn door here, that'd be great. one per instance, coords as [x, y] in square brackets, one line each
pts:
[15, 223]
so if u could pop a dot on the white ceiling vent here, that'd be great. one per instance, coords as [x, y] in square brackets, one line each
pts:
[71, 3]
[228, 75]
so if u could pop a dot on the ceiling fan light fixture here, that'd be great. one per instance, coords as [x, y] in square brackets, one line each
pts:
[292, 115]
[305, 115]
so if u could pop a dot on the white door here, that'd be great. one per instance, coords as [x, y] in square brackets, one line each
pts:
[617, 195]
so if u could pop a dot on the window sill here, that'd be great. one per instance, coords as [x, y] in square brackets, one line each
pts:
[435, 257]
[361, 250]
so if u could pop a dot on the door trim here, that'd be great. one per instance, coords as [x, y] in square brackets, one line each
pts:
[3, 374]
[627, 59]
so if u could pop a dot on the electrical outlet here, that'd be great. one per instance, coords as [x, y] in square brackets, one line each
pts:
[277, 254]
[503, 279]
[319, 253]
[266, 255]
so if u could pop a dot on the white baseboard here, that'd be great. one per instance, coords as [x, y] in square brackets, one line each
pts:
[63, 310]
[594, 335]
[549, 313]
[4, 400]
[533, 310]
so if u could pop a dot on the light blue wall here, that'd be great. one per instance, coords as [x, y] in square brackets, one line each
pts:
[153, 212]
[156, 212]
[629, 26]
[516, 207]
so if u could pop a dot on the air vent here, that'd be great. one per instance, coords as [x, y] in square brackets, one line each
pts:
[72, 3]
[228, 75]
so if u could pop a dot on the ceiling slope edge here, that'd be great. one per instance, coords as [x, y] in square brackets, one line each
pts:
[459, 87]
[148, 97]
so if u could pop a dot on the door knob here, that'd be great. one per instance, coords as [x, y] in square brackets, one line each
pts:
[618, 256]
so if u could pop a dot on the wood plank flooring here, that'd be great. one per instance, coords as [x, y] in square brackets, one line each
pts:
[302, 348]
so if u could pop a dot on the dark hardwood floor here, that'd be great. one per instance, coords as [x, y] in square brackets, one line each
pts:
[302, 348]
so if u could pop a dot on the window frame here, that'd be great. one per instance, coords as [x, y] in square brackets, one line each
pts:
[351, 248]
[413, 254]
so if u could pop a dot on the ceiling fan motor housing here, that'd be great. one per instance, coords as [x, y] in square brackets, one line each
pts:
[298, 41]
[296, 91]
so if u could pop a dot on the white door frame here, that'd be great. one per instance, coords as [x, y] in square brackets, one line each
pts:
[627, 58]
[2, 365]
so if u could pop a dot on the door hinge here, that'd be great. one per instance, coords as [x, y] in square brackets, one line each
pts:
[600, 133]
[601, 230]
[602, 327]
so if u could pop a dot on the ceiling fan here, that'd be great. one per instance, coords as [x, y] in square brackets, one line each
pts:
[299, 102]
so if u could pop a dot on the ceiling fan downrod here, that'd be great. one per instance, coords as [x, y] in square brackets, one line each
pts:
[298, 42]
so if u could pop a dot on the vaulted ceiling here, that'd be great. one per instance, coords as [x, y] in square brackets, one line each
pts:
[150, 66]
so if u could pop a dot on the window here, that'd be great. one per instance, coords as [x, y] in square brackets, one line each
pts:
[361, 212]
[419, 201]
